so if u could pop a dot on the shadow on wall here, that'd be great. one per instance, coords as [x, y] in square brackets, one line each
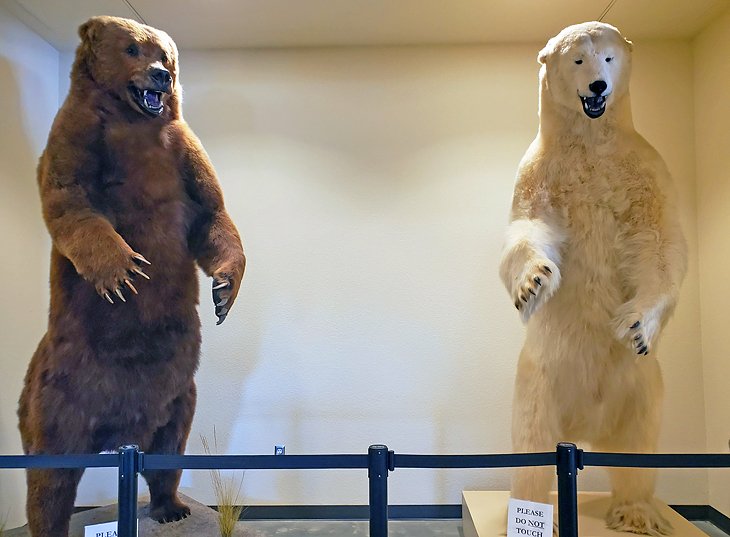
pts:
[21, 276]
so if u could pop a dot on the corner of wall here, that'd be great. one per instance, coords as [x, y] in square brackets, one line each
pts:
[711, 70]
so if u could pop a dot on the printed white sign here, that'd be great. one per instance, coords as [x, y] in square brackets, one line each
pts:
[108, 529]
[529, 519]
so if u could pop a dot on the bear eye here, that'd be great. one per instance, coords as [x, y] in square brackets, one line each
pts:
[132, 50]
[608, 60]
[578, 62]
[163, 58]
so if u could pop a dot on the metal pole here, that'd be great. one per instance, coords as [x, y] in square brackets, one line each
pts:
[128, 469]
[378, 478]
[568, 462]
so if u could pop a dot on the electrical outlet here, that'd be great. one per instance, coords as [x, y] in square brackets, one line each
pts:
[280, 450]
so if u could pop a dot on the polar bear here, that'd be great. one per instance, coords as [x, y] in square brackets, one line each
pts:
[593, 260]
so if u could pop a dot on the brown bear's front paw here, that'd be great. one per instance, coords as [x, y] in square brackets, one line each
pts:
[225, 289]
[169, 511]
[112, 280]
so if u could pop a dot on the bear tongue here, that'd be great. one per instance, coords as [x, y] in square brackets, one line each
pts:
[152, 99]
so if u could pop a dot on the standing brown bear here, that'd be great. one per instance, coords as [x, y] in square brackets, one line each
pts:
[128, 195]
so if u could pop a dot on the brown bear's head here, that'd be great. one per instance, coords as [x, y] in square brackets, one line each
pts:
[131, 61]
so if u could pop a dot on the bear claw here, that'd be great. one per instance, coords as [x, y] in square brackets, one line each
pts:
[138, 271]
[140, 258]
[170, 513]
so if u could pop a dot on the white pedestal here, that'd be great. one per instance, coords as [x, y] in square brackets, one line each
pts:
[485, 515]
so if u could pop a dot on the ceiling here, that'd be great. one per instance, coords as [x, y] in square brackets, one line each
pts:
[306, 23]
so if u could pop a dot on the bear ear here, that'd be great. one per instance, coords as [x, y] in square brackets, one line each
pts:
[89, 30]
[546, 51]
[543, 54]
[629, 44]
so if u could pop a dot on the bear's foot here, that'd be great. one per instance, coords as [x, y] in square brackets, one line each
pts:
[170, 511]
[638, 517]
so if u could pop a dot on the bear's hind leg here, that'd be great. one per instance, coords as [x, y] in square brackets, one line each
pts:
[636, 511]
[50, 501]
[534, 429]
[165, 506]
[633, 507]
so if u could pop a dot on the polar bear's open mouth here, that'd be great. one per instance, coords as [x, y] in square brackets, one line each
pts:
[594, 106]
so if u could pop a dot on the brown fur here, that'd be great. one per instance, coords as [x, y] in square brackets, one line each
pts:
[116, 183]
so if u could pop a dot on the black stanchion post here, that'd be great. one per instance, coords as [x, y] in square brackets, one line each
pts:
[568, 462]
[378, 478]
[128, 469]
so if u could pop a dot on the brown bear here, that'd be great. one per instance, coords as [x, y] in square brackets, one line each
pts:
[128, 195]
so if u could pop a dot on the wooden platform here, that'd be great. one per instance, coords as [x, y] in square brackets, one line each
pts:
[485, 515]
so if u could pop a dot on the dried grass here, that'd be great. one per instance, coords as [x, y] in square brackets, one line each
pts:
[227, 492]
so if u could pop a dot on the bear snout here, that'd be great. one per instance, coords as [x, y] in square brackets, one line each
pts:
[161, 79]
[598, 86]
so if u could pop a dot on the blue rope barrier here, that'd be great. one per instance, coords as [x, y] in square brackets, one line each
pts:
[378, 462]
[324, 462]
[474, 461]
[657, 460]
[59, 461]
[254, 462]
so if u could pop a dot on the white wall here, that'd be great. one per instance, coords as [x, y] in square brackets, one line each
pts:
[372, 188]
[28, 102]
[712, 75]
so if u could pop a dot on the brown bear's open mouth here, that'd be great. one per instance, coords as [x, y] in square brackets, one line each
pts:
[594, 106]
[148, 100]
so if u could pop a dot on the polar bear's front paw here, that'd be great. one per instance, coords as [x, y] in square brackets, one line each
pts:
[637, 330]
[637, 338]
[537, 283]
[638, 517]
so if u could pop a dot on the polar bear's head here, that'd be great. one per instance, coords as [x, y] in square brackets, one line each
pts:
[586, 66]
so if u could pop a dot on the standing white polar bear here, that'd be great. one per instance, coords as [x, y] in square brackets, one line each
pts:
[594, 259]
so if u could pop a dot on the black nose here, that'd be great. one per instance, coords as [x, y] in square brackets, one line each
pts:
[161, 77]
[597, 87]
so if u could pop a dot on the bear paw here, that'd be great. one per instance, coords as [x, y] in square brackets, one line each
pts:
[537, 283]
[638, 517]
[112, 274]
[226, 282]
[637, 330]
[169, 511]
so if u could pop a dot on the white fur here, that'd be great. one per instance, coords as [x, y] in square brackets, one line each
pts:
[531, 245]
[595, 203]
